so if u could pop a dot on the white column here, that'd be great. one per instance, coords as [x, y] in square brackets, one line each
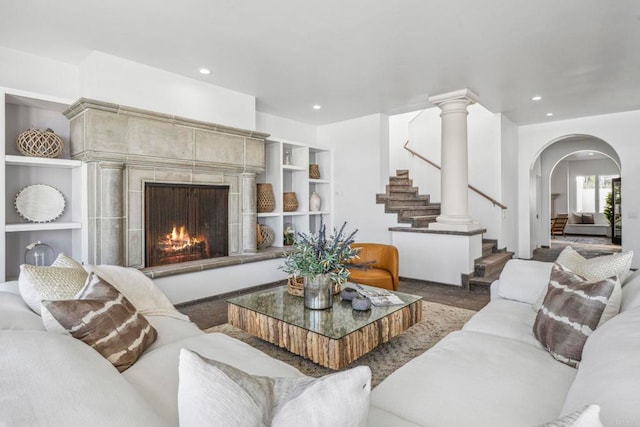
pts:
[454, 214]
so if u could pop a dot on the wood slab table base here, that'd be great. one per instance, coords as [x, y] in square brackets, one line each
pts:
[334, 350]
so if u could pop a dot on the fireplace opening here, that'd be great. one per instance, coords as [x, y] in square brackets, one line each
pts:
[185, 222]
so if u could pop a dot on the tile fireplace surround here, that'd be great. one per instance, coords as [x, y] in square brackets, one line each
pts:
[125, 147]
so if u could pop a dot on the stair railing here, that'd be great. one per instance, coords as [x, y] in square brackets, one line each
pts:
[437, 166]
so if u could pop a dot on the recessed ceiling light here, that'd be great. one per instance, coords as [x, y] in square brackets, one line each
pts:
[317, 107]
[591, 153]
[549, 114]
[536, 98]
[205, 71]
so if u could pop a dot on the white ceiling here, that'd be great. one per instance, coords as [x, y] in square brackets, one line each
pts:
[360, 57]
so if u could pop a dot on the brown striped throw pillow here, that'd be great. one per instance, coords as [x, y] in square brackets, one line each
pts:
[570, 312]
[104, 319]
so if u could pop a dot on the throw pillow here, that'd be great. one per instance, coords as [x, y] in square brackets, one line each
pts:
[571, 311]
[575, 218]
[587, 218]
[38, 283]
[598, 268]
[63, 260]
[213, 393]
[589, 416]
[105, 320]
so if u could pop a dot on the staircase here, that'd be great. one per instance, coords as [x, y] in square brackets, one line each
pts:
[403, 199]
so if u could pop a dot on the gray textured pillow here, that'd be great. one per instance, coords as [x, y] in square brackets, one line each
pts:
[105, 320]
[213, 393]
[570, 312]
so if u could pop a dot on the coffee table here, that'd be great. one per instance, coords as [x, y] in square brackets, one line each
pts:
[332, 338]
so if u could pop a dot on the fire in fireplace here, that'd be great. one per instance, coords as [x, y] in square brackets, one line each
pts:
[185, 222]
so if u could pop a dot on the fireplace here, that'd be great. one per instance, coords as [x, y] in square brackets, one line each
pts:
[185, 222]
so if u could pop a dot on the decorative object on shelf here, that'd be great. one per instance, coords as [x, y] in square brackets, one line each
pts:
[361, 303]
[39, 254]
[286, 159]
[314, 202]
[265, 236]
[321, 261]
[40, 203]
[314, 171]
[289, 234]
[290, 202]
[295, 286]
[266, 199]
[348, 294]
[40, 143]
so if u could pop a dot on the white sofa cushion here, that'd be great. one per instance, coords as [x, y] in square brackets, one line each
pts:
[609, 372]
[631, 292]
[161, 390]
[524, 280]
[212, 392]
[54, 380]
[504, 382]
[15, 314]
[505, 318]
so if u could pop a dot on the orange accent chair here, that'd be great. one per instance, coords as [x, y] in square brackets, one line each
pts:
[383, 271]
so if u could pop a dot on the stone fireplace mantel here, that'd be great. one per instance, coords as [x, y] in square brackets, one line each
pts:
[125, 147]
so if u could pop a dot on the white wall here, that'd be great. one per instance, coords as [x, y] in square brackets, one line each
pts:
[37, 74]
[619, 130]
[112, 79]
[287, 129]
[509, 169]
[360, 171]
[559, 185]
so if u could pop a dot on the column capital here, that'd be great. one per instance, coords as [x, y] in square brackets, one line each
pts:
[466, 96]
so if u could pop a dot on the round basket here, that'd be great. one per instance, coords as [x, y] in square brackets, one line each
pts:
[266, 236]
[290, 202]
[40, 143]
[266, 199]
[295, 286]
[314, 171]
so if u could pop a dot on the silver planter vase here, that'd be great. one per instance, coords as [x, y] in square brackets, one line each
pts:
[318, 292]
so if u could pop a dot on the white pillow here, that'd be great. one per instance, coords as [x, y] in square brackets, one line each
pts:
[589, 416]
[49, 283]
[598, 268]
[524, 280]
[213, 393]
[140, 290]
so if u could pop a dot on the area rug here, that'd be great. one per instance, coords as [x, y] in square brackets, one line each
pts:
[438, 320]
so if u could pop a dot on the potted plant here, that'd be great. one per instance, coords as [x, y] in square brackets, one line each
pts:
[321, 260]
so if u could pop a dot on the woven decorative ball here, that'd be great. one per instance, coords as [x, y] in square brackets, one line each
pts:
[314, 171]
[266, 199]
[40, 143]
[267, 236]
[290, 202]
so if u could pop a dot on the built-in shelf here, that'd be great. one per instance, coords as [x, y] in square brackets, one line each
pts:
[41, 161]
[294, 177]
[42, 226]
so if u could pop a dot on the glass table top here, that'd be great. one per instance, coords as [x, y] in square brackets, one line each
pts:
[335, 322]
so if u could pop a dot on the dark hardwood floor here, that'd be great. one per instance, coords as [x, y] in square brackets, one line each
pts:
[213, 311]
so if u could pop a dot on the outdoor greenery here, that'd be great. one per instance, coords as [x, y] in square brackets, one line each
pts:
[314, 254]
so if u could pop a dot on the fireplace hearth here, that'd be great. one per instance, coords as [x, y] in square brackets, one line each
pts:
[185, 222]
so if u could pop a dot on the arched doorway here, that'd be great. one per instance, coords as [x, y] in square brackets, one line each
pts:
[554, 185]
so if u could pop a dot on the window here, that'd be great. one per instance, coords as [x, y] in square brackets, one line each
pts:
[591, 192]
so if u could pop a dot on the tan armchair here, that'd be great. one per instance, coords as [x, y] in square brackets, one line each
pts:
[384, 269]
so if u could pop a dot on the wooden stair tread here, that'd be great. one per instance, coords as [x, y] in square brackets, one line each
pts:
[484, 281]
[494, 257]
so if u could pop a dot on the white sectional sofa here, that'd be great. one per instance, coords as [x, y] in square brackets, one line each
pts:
[491, 373]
